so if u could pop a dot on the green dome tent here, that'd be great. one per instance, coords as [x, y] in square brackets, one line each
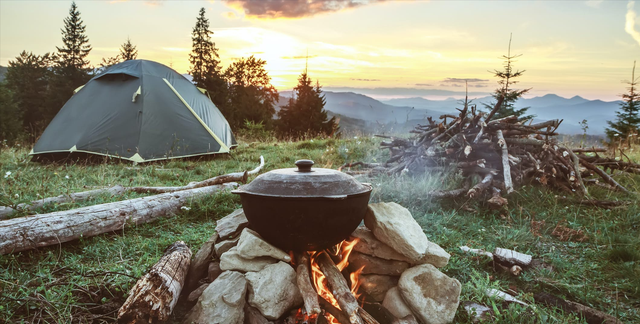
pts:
[141, 111]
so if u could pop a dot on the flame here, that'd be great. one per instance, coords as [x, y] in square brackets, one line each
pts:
[343, 250]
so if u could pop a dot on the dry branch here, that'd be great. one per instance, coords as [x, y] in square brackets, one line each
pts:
[30, 232]
[152, 298]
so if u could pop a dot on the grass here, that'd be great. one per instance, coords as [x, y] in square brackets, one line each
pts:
[87, 280]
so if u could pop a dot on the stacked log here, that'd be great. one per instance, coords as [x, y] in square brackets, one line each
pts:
[501, 154]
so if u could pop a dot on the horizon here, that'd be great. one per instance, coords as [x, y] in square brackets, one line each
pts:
[569, 48]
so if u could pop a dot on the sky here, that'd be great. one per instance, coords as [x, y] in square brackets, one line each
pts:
[569, 48]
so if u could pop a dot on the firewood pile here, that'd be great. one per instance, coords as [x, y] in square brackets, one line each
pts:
[501, 154]
[385, 272]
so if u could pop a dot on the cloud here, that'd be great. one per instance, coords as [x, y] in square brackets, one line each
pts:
[298, 57]
[272, 9]
[458, 80]
[594, 3]
[176, 49]
[229, 15]
[365, 79]
[630, 22]
[424, 85]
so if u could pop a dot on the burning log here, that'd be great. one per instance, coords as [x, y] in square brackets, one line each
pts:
[152, 298]
[339, 288]
[307, 291]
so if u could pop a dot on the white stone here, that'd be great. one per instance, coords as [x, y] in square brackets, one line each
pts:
[394, 303]
[231, 224]
[376, 286]
[232, 260]
[273, 290]
[393, 225]
[251, 245]
[224, 246]
[370, 245]
[431, 295]
[435, 255]
[200, 263]
[222, 302]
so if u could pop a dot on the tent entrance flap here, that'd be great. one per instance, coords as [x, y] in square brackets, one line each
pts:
[224, 147]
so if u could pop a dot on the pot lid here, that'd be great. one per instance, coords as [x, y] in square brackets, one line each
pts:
[305, 181]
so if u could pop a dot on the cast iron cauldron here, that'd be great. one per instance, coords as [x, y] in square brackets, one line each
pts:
[304, 209]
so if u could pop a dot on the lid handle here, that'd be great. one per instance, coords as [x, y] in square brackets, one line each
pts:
[304, 165]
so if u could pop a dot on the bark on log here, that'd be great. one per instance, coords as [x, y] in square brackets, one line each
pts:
[589, 150]
[591, 315]
[334, 311]
[506, 168]
[481, 186]
[339, 288]
[30, 232]
[576, 166]
[495, 109]
[117, 190]
[78, 196]
[366, 317]
[309, 294]
[152, 298]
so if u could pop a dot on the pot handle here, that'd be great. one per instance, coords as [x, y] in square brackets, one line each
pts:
[304, 165]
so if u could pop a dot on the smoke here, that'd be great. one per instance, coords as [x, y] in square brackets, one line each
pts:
[460, 80]
[630, 23]
[271, 9]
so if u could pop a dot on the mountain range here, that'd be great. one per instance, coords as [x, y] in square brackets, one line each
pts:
[393, 113]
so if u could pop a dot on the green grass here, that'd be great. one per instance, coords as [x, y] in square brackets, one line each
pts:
[88, 279]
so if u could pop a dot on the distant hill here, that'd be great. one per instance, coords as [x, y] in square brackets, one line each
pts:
[3, 71]
[572, 110]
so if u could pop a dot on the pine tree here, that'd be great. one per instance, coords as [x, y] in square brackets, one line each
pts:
[507, 76]
[304, 114]
[128, 51]
[76, 43]
[205, 63]
[28, 77]
[628, 117]
[72, 69]
[251, 96]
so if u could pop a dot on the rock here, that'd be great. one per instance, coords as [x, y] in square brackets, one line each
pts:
[477, 312]
[431, 295]
[214, 270]
[393, 225]
[435, 255]
[512, 257]
[194, 295]
[251, 245]
[200, 263]
[231, 224]
[273, 290]
[231, 260]
[394, 303]
[409, 319]
[224, 246]
[373, 265]
[253, 316]
[377, 286]
[222, 302]
[370, 245]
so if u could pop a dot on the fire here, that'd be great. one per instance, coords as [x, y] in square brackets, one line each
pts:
[343, 250]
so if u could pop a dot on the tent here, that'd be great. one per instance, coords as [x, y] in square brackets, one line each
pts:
[141, 111]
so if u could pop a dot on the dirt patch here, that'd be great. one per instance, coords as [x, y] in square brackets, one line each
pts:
[564, 233]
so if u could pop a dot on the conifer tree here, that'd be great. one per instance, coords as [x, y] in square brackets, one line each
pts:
[304, 114]
[76, 46]
[72, 69]
[205, 63]
[10, 124]
[28, 77]
[507, 76]
[628, 117]
[128, 51]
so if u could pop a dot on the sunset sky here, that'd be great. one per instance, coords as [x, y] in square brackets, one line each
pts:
[569, 48]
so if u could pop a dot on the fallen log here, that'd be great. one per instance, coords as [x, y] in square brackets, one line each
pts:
[603, 175]
[118, 190]
[152, 298]
[339, 288]
[30, 232]
[591, 316]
